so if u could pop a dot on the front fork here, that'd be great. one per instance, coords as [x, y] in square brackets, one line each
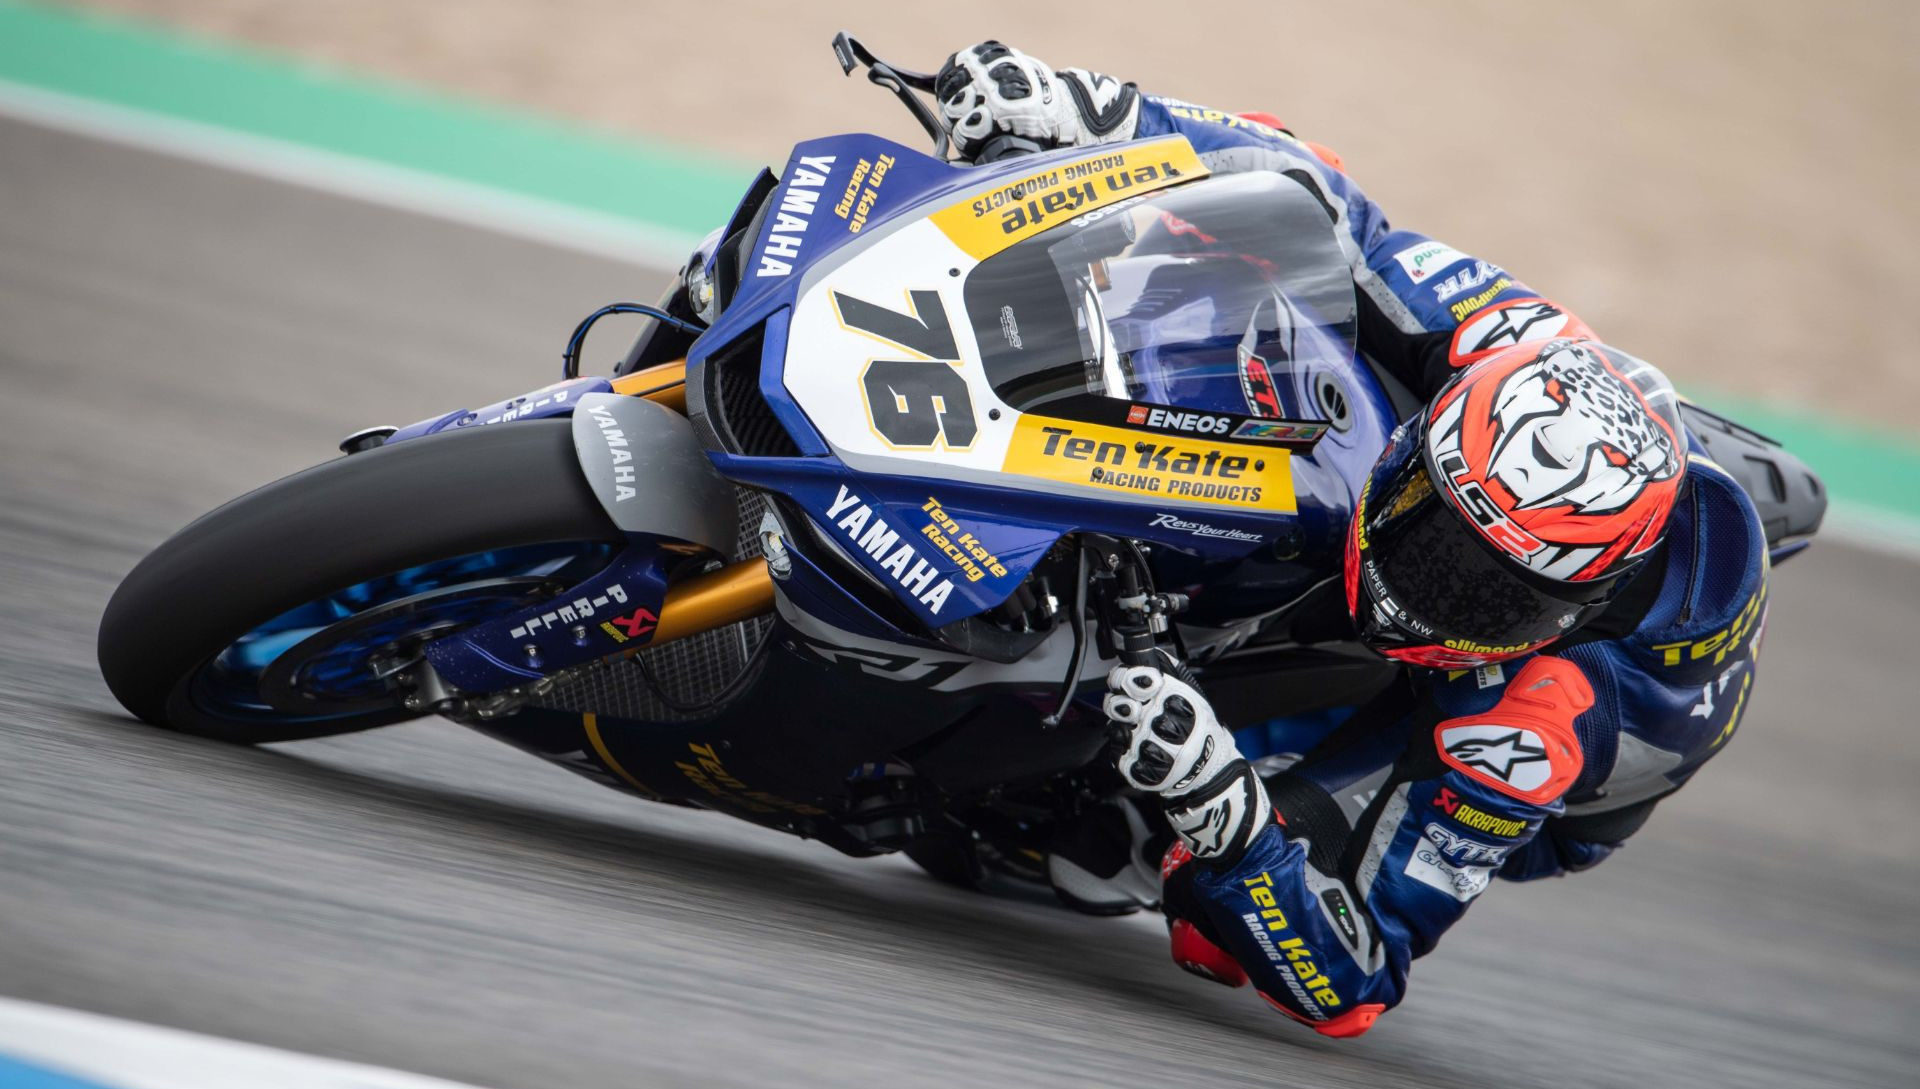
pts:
[1138, 618]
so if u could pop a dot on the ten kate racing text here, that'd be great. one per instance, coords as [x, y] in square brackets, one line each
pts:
[1035, 200]
[1163, 467]
[856, 203]
[959, 545]
[1285, 950]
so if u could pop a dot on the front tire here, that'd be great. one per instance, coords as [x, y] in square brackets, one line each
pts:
[336, 526]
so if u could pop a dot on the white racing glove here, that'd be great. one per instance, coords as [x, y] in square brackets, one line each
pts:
[991, 88]
[1174, 747]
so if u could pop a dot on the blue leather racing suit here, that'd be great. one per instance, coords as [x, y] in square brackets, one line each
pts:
[1392, 823]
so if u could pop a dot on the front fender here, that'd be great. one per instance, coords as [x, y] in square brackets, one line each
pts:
[649, 473]
[646, 466]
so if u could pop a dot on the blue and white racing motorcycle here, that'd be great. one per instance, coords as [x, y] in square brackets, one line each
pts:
[914, 453]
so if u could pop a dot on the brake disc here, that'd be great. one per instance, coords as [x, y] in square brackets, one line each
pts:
[358, 663]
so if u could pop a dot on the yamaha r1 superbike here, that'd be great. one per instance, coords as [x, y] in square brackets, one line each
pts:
[849, 539]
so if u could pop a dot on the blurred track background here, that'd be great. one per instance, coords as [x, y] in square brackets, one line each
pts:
[1722, 185]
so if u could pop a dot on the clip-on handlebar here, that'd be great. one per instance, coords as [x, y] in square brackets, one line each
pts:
[903, 83]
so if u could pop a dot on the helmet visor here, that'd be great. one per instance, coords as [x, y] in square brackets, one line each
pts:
[1434, 582]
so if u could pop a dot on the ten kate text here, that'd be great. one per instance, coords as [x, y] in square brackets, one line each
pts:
[959, 545]
[1065, 191]
[1151, 466]
[1288, 953]
[710, 775]
[1727, 640]
[856, 203]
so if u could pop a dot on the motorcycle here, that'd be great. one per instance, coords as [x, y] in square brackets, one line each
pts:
[846, 543]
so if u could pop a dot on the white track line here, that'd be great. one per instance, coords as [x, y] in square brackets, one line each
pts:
[129, 1055]
[408, 190]
[547, 222]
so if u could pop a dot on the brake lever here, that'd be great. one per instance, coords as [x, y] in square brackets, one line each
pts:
[903, 83]
[850, 51]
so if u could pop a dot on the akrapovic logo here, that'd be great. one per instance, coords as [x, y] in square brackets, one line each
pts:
[1198, 423]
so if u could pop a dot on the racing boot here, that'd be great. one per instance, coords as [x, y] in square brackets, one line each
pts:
[1106, 861]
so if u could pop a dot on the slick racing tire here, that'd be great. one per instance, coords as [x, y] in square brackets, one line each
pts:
[487, 491]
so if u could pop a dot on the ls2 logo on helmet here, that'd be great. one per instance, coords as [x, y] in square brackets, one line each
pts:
[1558, 459]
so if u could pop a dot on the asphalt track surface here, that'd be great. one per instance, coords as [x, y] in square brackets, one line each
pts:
[422, 898]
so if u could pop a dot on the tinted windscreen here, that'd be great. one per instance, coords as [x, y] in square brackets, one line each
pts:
[1206, 296]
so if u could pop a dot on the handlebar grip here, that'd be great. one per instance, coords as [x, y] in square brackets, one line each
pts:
[1006, 145]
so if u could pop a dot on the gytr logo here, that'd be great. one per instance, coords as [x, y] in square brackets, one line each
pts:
[1463, 851]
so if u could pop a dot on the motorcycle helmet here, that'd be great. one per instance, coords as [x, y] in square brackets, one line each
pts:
[1506, 513]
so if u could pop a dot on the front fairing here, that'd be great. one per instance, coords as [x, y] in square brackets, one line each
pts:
[950, 521]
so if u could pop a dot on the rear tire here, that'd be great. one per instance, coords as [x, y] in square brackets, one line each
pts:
[317, 532]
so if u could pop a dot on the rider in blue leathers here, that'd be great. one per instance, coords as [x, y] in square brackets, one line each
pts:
[1577, 591]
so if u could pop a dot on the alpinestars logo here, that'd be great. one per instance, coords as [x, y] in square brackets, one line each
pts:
[1205, 827]
[1513, 756]
[1511, 325]
[1207, 835]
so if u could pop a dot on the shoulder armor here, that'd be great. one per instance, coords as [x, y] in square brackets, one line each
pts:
[1525, 746]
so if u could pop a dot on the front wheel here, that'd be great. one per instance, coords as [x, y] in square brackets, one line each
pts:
[322, 583]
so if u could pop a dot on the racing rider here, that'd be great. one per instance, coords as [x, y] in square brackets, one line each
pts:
[1576, 602]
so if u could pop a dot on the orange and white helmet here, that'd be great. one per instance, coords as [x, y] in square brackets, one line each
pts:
[1504, 515]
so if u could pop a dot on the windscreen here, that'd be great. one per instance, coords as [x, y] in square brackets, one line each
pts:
[1207, 297]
